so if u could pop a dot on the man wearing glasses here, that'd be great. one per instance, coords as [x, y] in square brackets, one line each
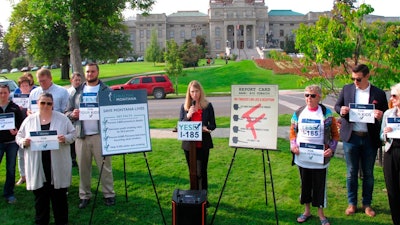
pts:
[360, 137]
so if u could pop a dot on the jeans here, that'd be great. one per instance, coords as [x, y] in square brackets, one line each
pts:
[359, 151]
[11, 150]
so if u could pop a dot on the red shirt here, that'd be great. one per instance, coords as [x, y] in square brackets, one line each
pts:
[197, 117]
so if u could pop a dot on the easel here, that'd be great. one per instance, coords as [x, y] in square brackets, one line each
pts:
[265, 184]
[126, 190]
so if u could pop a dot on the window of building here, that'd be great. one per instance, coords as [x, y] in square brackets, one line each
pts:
[171, 34]
[141, 33]
[281, 33]
[292, 24]
[281, 24]
[204, 33]
[261, 31]
[193, 33]
[171, 25]
[160, 34]
[182, 25]
[148, 33]
[217, 44]
[141, 46]
[182, 34]
[217, 32]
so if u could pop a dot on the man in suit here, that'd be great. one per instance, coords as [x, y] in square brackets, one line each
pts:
[360, 140]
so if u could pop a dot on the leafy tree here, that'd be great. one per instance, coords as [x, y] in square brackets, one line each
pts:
[19, 62]
[173, 62]
[153, 51]
[190, 54]
[290, 44]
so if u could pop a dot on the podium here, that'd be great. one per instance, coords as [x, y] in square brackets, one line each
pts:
[189, 207]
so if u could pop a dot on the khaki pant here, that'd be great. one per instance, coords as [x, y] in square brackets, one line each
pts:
[86, 148]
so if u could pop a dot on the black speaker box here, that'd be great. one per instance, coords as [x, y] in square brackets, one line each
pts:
[189, 207]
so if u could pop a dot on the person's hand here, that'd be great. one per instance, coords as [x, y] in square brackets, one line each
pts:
[206, 130]
[387, 130]
[378, 114]
[14, 132]
[26, 142]
[192, 109]
[75, 114]
[328, 153]
[61, 138]
[344, 110]
[295, 150]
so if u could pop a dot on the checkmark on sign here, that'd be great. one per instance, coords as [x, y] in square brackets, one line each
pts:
[197, 127]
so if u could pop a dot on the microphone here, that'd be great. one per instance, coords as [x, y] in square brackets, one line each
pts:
[193, 102]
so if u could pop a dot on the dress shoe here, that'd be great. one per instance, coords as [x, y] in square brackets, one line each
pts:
[351, 209]
[83, 203]
[369, 211]
[21, 181]
[109, 201]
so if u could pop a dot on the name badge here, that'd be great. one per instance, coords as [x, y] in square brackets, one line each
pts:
[44, 140]
[362, 113]
[89, 111]
[90, 97]
[7, 121]
[34, 106]
[394, 123]
[311, 153]
[310, 128]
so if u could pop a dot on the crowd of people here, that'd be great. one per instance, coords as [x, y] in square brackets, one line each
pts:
[52, 112]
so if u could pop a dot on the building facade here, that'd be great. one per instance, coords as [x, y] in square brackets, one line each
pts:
[231, 26]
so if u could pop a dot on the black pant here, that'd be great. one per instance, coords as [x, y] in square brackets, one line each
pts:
[313, 186]
[202, 156]
[59, 203]
[391, 170]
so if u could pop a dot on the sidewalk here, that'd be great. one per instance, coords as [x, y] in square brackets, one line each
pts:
[283, 132]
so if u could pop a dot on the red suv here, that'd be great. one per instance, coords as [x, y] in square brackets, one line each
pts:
[157, 85]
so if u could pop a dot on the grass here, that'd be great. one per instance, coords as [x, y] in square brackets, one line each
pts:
[243, 201]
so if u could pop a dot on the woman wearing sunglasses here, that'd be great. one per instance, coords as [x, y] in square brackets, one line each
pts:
[390, 134]
[313, 139]
[48, 172]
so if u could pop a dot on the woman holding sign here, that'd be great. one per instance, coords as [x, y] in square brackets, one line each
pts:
[313, 139]
[390, 134]
[48, 169]
[10, 121]
[197, 108]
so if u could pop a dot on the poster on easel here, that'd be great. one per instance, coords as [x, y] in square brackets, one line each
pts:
[124, 122]
[254, 116]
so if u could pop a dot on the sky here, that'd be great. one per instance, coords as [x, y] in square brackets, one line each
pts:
[382, 7]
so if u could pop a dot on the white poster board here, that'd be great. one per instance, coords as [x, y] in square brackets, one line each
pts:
[124, 122]
[254, 116]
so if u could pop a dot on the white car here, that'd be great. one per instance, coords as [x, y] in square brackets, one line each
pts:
[14, 70]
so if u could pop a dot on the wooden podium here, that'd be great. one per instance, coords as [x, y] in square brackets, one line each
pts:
[194, 177]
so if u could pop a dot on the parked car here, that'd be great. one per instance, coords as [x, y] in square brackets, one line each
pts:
[140, 59]
[4, 71]
[14, 70]
[25, 69]
[120, 60]
[10, 83]
[158, 85]
[35, 68]
[130, 59]
[53, 66]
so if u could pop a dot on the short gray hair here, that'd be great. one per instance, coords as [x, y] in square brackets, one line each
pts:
[315, 88]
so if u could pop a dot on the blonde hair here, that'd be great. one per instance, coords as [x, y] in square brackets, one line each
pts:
[202, 99]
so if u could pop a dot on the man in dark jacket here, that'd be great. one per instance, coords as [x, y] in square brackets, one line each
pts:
[360, 139]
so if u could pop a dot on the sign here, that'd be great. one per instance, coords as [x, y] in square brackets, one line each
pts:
[190, 130]
[34, 106]
[88, 111]
[254, 116]
[21, 100]
[124, 122]
[7, 121]
[311, 153]
[394, 123]
[44, 140]
[362, 113]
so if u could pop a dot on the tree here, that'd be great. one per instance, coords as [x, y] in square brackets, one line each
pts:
[190, 54]
[173, 62]
[54, 30]
[153, 51]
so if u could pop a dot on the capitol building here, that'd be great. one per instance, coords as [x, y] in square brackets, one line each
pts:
[241, 27]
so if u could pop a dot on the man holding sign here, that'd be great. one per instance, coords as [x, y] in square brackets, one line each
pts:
[313, 140]
[360, 136]
[83, 110]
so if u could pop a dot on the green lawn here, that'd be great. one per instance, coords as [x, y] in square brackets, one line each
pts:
[243, 201]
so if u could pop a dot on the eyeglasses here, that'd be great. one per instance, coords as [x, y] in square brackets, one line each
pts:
[356, 79]
[312, 95]
[393, 96]
[46, 103]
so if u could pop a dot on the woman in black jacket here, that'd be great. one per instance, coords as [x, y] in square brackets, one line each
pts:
[197, 108]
